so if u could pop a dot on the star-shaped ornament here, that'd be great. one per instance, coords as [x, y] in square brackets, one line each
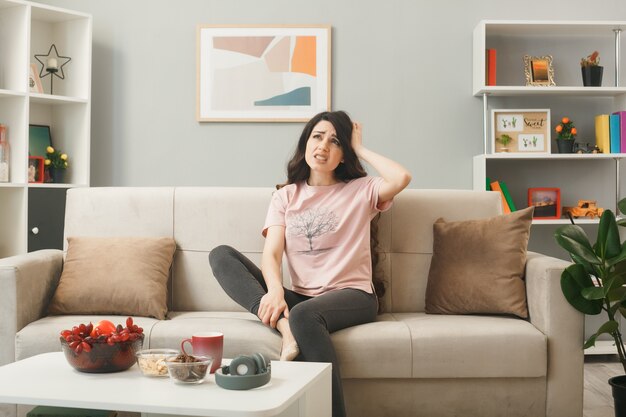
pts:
[53, 63]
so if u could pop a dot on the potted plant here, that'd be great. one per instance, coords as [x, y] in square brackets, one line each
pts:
[591, 70]
[596, 281]
[56, 164]
[504, 140]
[565, 135]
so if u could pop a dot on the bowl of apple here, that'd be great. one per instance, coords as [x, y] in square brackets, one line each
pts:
[103, 347]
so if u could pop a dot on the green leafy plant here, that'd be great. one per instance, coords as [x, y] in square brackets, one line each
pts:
[504, 139]
[592, 60]
[595, 282]
[55, 159]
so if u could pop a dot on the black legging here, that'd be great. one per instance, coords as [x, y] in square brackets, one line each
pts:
[311, 319]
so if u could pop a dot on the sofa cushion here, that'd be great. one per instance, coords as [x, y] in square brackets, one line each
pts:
[42, 335]
[406, 237]
[243, 332]
[358, 348]
[205, 217]
[118, 275]
[381, 349]
[473, 346]
[119, 211]
[478, 265]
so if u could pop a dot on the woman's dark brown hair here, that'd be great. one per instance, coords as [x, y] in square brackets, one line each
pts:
[351, 168]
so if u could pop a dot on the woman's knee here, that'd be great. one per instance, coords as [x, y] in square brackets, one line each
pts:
[303, 317]
[219, 254]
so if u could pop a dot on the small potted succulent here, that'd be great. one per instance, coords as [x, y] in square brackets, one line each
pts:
[596, 284]
[591, 70]
[504, 140]
[565, 135]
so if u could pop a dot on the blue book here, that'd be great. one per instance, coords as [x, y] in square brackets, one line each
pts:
[614, 129]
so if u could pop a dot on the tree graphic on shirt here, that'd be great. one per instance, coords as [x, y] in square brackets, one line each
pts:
[313, 223]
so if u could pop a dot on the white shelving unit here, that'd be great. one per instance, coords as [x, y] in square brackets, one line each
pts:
[567, 42]
[579, 176]
[26, 29]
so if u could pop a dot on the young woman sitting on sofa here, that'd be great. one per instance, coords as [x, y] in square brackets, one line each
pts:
[320, 219]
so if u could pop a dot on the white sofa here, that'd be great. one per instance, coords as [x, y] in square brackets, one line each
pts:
[407, 363]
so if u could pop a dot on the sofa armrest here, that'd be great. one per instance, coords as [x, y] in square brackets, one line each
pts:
[564, 329]
[27, 282]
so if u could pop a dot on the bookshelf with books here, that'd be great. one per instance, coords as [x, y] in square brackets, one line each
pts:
[586, 176]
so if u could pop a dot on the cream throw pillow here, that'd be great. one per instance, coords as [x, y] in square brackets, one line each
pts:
[118, 275]
[478, 266]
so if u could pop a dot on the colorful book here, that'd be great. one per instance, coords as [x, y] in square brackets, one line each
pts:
[491, 66]
[614, 132]
[622, 130]
[489, 184]
[603, 140]
[507, 195]
[495, 186]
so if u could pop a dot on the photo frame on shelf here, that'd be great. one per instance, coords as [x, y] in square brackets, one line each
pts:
[262, 73]
[39, 139]
[539, 71]
[36, 169]
[34, 82]
[520, 131]
[547, 202]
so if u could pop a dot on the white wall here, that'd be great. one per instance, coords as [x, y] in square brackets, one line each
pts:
[401, 67]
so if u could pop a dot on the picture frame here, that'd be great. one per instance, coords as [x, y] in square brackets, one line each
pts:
[34, 82]
[547, 202]
[36, 172]
[262, 73]
[539, 71]
[520, 131]
[39, 138]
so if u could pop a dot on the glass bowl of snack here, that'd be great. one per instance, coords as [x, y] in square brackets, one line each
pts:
[187, 369]
[151, 362]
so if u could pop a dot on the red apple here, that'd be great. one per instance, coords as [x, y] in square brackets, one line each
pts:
[103, 327]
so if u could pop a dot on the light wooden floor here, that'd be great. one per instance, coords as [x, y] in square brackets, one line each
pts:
[598, 400]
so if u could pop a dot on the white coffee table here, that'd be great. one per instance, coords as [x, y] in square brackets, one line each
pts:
[297, 389]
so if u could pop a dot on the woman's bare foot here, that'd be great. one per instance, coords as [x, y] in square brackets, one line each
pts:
[289, 349]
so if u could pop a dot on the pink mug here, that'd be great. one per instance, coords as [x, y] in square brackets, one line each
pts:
[207, 344]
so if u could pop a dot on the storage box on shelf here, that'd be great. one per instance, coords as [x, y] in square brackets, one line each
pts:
[579, 176]
[26, 29]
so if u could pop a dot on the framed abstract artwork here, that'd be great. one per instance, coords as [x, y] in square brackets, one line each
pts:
[262, 73]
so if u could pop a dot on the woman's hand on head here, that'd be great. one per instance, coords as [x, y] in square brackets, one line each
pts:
[395, 176]
[357, 137]
[272, 306]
